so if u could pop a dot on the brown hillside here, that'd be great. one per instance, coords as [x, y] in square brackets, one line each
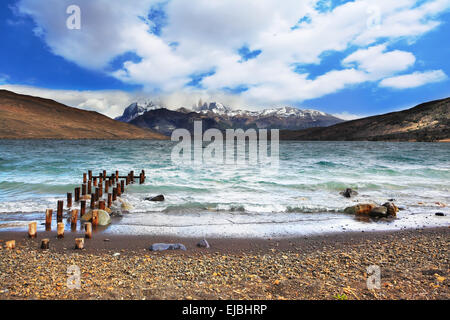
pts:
[27, 117]
[426, 122]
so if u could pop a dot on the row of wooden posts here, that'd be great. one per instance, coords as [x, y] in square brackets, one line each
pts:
[102, 184]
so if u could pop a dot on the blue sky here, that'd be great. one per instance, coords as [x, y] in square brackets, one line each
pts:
[343, 57]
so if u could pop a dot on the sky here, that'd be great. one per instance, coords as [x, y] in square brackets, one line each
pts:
[347, 58]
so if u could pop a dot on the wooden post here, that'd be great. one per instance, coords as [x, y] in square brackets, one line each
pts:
[84, 177]
[100, 181]
[106, 186]
[100, 189]
[95, 218]
[122, 186]
[83, 208]
[141, 178]
[83, 189]
[119, 190]
[104, 174]
[93, 201]
[114, 195]
[73, 220]
[132, 176]
[60, 230]
[10, 244]
[101, 205]
[77, 194]
[89, 187]
[95, 182]
[48, 219]
[69, 200]
[90, 174]
[88, 230]
[32, 227]
[45, 244]
[117, 175]
[109, 200]
[59, 214]
[79, 243]
[96, 194]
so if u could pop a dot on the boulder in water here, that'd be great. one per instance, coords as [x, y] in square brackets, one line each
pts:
[348, 193]
[103, 217]
[378, 212]
[167, 246]
[391, 209]
[125, 206]
[157, 198]
[360, 209]
[203, 244]
[440, 214]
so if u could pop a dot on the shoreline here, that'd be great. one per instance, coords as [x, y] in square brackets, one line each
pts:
[102, 242]
[414, 264]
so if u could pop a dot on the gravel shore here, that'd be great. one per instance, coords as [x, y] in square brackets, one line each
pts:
[414, 264]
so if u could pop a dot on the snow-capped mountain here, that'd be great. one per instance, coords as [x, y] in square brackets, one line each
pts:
[216, 115]
[137, 109]
[220, 109]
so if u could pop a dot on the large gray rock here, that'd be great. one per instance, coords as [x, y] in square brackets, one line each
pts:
[203, 244]
[167, 246]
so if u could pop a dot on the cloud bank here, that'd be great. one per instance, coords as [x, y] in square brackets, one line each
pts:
[245, 51]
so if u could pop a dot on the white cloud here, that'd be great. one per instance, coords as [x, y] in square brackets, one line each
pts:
[379, 63]
[414, 80]
[209, 33]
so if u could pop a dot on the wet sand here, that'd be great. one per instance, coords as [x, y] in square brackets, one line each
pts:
[414, 264]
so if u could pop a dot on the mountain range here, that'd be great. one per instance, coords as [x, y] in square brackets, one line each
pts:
[216, 115]
[27, 117]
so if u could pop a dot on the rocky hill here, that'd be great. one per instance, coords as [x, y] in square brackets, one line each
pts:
[27, 117]
[429, 121]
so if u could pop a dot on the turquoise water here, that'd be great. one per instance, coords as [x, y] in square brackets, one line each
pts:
[301, 197]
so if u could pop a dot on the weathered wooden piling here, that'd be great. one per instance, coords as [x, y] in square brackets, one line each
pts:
[32, 230]
[90, 174]
[127, 181]
[95, 218]
[117, 175]
[82, 208]
[132, 176]
[45, 244]
[101, 205]
[114, 195]
[77, 194]
[79, 243]
[10, 244]
[119, 190]
[69, 200]
[93, 201]
[109, 200]
[83, 189]
[107, 186]
[84, 178]
[48, 218]
[60, 230]
[74, 217]
[104, 173]
[88, 230]
[100, 190]
[89, 187]
[122, 186]
[59, 213]
[95, 182]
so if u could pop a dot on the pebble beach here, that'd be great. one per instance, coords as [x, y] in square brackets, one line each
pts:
[414, 264]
